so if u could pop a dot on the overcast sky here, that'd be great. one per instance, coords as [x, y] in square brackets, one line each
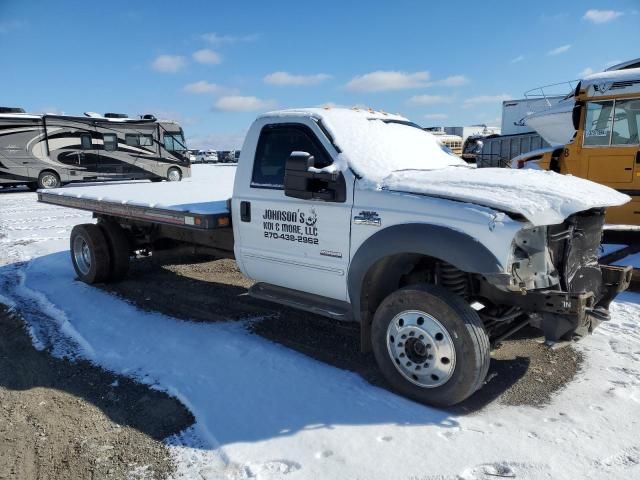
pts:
[213, 65]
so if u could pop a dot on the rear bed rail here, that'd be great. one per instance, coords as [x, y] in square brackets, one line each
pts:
[196, 221]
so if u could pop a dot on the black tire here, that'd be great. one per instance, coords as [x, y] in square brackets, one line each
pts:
[466, 335]
[90, 253]
[174, 174]
[119, 250]
[48, 179]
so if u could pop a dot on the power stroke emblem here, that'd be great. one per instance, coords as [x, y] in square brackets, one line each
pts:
[367, 217]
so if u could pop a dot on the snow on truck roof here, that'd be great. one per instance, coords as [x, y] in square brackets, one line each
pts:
[375, 144]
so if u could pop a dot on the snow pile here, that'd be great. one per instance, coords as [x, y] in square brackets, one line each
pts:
[543, 197]
[206, 192]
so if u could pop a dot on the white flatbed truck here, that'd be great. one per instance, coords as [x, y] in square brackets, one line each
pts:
[361, 216]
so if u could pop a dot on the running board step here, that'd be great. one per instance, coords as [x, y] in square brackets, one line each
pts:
[327, 307]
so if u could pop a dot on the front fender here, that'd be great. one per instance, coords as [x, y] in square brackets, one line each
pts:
[452, 246]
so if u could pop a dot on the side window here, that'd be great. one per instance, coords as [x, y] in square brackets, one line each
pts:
[625, 126]
[110, 142]
[274, 148]
[146, 140]
[168, 143]
[85, 141]
[597, 127]
[131, 139]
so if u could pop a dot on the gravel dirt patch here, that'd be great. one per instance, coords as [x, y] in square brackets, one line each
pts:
[523, 371]
[72, 420]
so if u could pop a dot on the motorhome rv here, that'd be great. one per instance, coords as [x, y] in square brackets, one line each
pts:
[47, 151]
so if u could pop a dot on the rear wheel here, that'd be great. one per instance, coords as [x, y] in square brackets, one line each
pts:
[430, 345]
[119, 249]
[90, 253]
[174, 174]
[48, 179]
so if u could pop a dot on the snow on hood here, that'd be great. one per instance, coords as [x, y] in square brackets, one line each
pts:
[542, 197]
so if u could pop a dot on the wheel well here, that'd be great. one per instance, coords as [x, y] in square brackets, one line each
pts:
[48, 170]
[396, 271]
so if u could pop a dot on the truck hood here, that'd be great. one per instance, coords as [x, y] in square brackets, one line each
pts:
[542, 197]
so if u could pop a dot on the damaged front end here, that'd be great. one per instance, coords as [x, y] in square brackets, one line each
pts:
[561, 285]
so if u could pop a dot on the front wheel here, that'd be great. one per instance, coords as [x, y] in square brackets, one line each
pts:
[48, 179]
[430, 345]
[174, 175]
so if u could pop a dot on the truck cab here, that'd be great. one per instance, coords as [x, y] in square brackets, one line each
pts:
[606, 146]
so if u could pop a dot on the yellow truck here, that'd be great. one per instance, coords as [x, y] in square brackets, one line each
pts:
[606, 145]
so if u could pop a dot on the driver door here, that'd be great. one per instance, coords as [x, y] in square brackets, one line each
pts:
[611, 143]
[300, 244]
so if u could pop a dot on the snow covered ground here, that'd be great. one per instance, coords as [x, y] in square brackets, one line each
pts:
[265, 412]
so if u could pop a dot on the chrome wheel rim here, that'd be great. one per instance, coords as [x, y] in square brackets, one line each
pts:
[421, 348]
[174, 176]
[82, 255]
[49, 181]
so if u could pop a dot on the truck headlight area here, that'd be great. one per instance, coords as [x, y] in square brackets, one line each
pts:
[531, 266]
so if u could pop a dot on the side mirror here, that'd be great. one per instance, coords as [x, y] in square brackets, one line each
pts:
[299, 162]
[301, 180]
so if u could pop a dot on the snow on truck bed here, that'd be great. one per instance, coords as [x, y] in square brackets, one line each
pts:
[206, 192]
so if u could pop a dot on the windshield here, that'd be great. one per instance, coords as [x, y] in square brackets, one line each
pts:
[174, 142]
[374, 146]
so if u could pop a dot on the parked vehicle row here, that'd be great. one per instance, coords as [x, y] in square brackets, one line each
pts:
[215, 156]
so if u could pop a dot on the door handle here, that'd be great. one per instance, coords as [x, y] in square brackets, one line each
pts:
[638, 157]
[245, 211]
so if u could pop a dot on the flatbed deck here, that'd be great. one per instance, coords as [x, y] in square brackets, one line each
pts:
[199, 204]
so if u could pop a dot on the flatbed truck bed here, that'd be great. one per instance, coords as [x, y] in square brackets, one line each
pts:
[188, 212]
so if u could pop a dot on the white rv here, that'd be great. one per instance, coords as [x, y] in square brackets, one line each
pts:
[46, 151]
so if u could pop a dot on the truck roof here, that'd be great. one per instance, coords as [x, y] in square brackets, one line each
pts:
[326, 112]
[375, 143]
